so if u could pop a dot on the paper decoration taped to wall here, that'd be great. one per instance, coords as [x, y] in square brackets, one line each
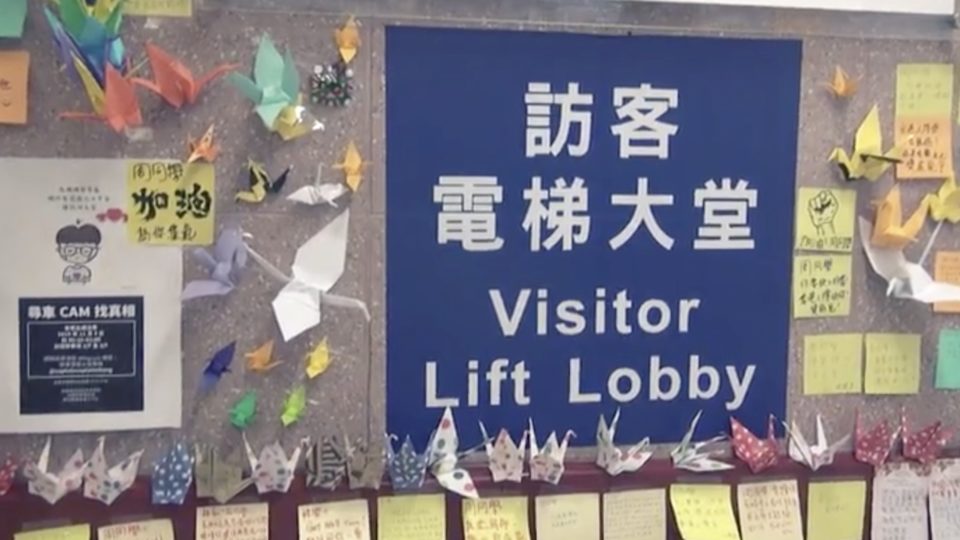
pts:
[170, 203]
[175, 83]
[816, 454]
[159, 8]
[14, 76]
[923, 121]
[948, 359]
[704, 511]
[946, 269]
[496, 518]
[835, 510]
[234, 521]
[868, 158]
[154, 529]
[770, 511]
[560, 517]
[899, 508]
[635, 515]
[825, 219]
[892, 364]
[334, 520]
[832, 364]
[411, 517]
[944, 499]
[821, 285]
[70, 532]
[14, 14]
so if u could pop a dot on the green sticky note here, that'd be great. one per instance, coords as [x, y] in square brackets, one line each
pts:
[14, 13]
[948, 360]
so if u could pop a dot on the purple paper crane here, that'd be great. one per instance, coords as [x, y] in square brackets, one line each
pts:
[224, 265]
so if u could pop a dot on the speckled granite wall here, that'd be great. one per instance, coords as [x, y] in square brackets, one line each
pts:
[350, 396]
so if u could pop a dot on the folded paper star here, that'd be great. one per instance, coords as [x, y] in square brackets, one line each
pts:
[104, 483]
[272, 470]
[889, 229]
[615, 460]
[326, 464]
[444, 458]
[868, 159]
[406, 467]
[758, 454]
[224, 264]
[694, 456]
[365, 464]
[815, 455]
[174, 82]
[53, 486]
[260, 360]
[505, 458]
[872, 447]
[217, 477]
[172, 476]
[923, 446]
[546, 463]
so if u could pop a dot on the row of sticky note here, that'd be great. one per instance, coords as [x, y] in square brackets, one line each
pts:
[833, 364]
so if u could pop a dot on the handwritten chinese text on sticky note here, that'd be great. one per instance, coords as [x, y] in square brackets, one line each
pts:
[946, 268]
[71, 532]
[561, 517]
[825, 219]
[892, 364]
[14, 74]
[821, 285]
[496, 518]
[835, 510]
[923, 120]
[159, 8]
[770, 511]
[334, 520]
[234, 522]
[832, 364]
[411, 517]
[635, 515]
[704, 512]
[899, 509]
[169, 203]
[155, 529]
[945, 499]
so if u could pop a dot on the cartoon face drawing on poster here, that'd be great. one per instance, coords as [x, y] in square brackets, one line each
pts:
[77, 245]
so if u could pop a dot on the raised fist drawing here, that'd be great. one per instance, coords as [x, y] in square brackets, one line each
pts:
[823, 209]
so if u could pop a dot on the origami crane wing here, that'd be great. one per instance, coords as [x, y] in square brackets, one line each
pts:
[945, 204]
[173, 81]
[868, 140]
[443, 457]
[887, 263]
[294, 406]
[172, 476]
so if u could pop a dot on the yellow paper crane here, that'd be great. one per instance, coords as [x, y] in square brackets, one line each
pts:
[868, 160]
[260, 360]
[318, 360]
[348, 39]
[352, 167]
[889, 230]
[842, 85]
[945, 204]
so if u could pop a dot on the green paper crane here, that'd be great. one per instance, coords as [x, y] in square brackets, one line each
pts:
[275, 84]
[293, 408]
[242, 413]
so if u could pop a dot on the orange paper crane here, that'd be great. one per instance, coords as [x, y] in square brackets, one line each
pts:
[842, 85]
[348, 39]
[116, 103]
[203, 148]
[173, 81]
[889, 229]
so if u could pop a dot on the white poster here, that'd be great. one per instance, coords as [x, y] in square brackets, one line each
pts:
[89, 323]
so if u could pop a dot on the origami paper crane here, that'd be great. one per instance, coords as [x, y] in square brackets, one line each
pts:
[217, 366]
[505, 458]
[318, 360]
[889, 230]
[758, 454]
[842, 85]
[115, 103]
[694, 456]
[172, 476]
[203, 148]
[443, 458]
[352, 167]
[615, 460]
[260, 360]
[261, 184]
[873, 447]
[224, 264]
[348, 39]
[546, 464]
[318, 265]
[407, 468]
[50, 486]
[273, 470]
[319, 192]
[868, 159]
[905, 280]
[174, 82]
[244, 410]
[945, 204]
[332, 84]
[104, 483]
[924, 445]
[294, 406]
[8, 470]
[89, 32]
[217, 477]
[326, 464]
[816, 455]
[275, 89]
[364, 464]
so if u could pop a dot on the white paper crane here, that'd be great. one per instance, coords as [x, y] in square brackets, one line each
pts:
[104, 483]
[319, 192]
[444, 458]
[272, 470]
[505, 458]
[546, 464]
[816, 455]
[51, 486]
[694, 456]
[615, 460]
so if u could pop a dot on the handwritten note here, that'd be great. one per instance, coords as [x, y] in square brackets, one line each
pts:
[334, 521]
[832, 364]
[835, 510]
[945, 499]
[946, 268]
[948, 359]
[821, 285]
[169, 203]
[770, 511]
[704, 512]
[159, 8]
[496, 518]
[155, 529]
[899, 510]
[825, 219]
[14, 74]
[234, 522]
[411, 517]
[923, 128]
[72, 532]
[635, 515]
[561, 517]
[893, 364]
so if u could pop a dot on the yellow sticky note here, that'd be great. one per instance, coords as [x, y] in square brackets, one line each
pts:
[704, 511]
[832, 364]
[72, 532]
[924, 90]
[496, 518]
[234, 521]
[341, 519]
[159, 8]
[169, 203]
[835, 510]
[946, 268]
[635, 515]
[14, 70]
[821, 285]
[770, 511]
[411, 517]
[562, 517]
[154, 529]
[824, 220]
[893, 364]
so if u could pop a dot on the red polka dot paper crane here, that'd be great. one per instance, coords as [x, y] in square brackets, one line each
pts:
[546, 464]
[505, 458]
[873, 447]
[924, 445]
[52, 486]
[444, 458]
[8, 469]
[758, 454]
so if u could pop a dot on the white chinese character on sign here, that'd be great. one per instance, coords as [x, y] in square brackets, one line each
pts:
[563, 208]
[466, 211]
[540, 139]
[129, 311]
[49, 312]
[724, 215]
[643, 107]
[642, 203]
[34, 312]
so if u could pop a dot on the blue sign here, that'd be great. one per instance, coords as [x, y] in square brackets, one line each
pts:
[578, 223]
[81, 354]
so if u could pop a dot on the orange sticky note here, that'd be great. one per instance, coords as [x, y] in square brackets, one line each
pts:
[14, 66]
[946, 268]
